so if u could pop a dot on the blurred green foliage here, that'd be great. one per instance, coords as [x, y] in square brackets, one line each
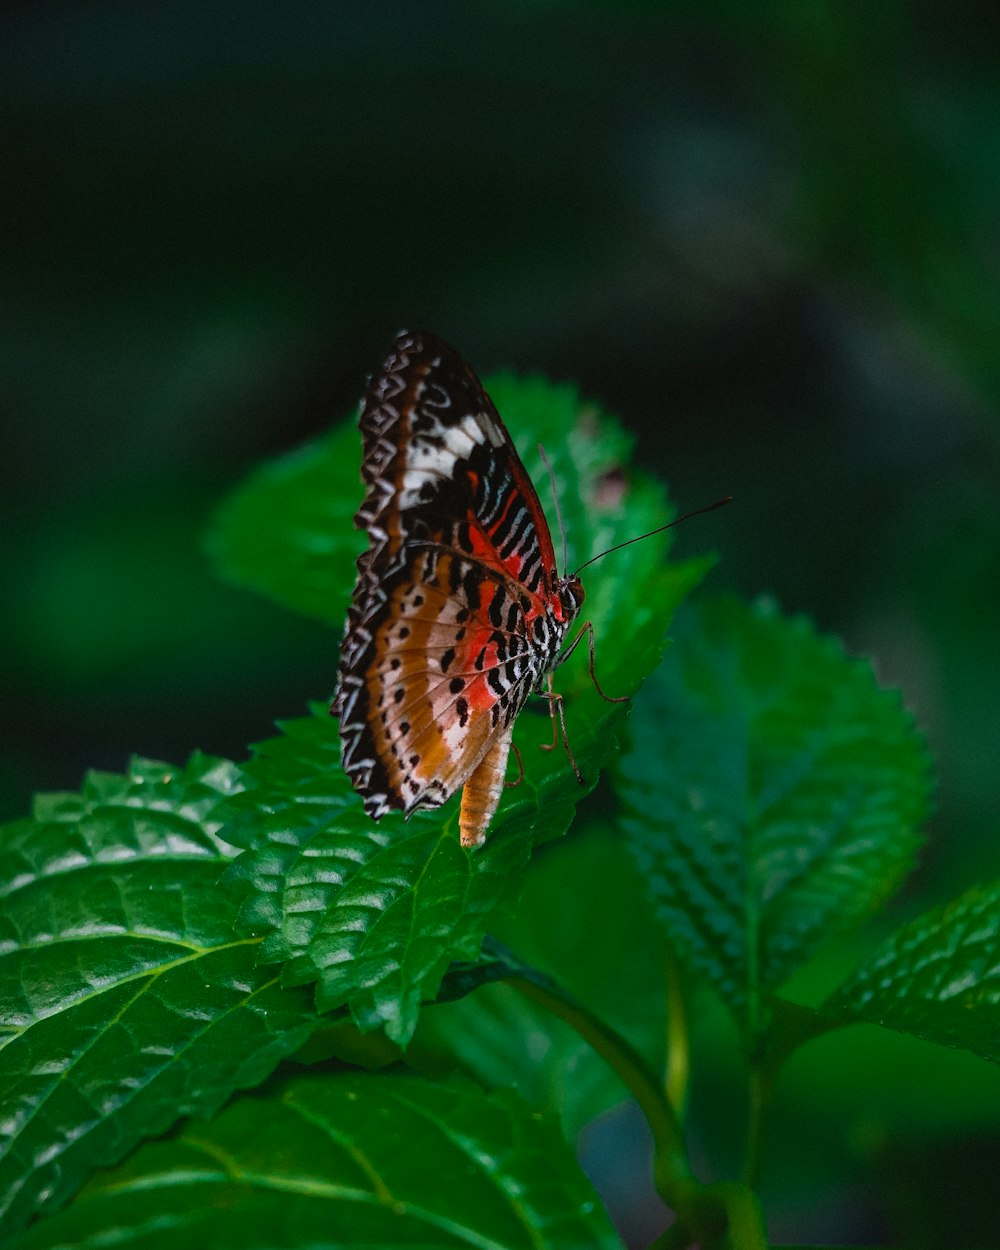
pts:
[765, 233]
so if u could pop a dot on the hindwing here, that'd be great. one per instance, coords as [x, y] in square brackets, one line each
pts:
[439, 683]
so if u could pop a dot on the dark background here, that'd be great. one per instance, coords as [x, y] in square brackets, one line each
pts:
[765, 234]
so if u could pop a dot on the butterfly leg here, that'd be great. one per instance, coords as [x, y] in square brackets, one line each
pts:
[556, 707]
[588, 629]
[552, 697]
[520, 768]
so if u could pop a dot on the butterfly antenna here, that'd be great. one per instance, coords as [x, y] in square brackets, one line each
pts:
[659, 530]
[555, 497]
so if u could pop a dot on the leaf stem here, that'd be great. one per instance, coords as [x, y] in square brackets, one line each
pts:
[712, 1216]
[791, 1026]
[757, 1091]
[745, 1224]
[739, 1223]
[678, 1050]
[672, 1163]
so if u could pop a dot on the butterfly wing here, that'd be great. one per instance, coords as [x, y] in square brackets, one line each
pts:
[440, 683]
[447, 630]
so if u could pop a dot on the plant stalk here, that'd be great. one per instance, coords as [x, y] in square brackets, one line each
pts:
[668, 1140]
[678, 1071]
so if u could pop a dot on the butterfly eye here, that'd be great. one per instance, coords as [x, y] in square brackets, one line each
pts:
[572, 594]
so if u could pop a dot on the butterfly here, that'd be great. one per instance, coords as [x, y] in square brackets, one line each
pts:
[458, 612]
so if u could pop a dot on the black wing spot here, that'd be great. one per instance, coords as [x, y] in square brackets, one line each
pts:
[399, 693]
[471, 583]
[404, 726]
[495, 610]
[447, 659]
[456, 685]
[462, 708]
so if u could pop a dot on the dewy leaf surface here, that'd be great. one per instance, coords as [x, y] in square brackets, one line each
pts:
[774, 794]
[938, 977]
[376, 912]
[348, 1160]
[126, 998]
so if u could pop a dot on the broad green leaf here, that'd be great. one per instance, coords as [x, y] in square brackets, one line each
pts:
[126, 998]
[347, 1160]
[584, 920]
[376, 913]
[938, 977]
[774, 794]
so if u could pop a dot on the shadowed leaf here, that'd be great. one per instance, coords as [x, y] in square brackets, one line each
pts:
[774, 794]
[347, 1161]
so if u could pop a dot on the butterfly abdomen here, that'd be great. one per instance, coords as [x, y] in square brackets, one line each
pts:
[482, 790]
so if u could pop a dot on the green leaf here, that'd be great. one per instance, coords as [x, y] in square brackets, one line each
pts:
[376, 913]
[288, 532]
[937, 978]
[348, 1160]
[126, 1000]
[774, 795]
[585, 885]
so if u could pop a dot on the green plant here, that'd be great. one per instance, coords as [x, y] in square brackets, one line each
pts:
[318, 1018]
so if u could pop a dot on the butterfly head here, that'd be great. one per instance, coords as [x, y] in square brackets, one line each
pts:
[570, 594]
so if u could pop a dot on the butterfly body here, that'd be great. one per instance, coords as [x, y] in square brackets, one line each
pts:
[458, 612]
